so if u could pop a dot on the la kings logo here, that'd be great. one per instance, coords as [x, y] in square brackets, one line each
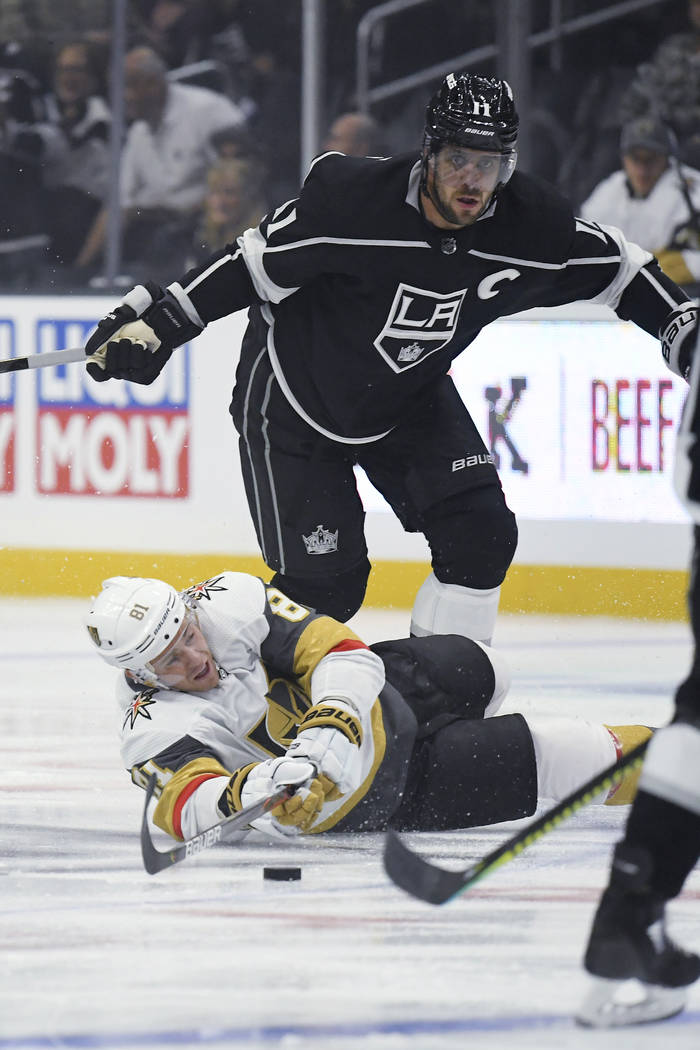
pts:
[420, 322]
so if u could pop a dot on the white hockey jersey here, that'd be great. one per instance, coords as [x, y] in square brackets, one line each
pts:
[652, 222]
[275, 659]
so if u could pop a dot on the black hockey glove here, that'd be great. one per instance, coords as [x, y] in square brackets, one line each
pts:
[678, 335]
[136, 340]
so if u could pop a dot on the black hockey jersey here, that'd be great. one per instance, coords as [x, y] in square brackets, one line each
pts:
[361, 303]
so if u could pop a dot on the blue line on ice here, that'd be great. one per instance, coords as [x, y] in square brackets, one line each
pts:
[317, 1032]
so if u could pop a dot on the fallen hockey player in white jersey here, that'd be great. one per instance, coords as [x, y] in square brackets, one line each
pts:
[230, 691]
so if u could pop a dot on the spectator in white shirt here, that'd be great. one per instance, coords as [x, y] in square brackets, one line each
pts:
[653, 199]
[166, 158]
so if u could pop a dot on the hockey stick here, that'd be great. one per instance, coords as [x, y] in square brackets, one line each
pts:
[53, 357]
[155, 860]
[434, 884]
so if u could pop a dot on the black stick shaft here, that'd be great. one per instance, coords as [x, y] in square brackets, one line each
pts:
[155, 860]
[436, 885]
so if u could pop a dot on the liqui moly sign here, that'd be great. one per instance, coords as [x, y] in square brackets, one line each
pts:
[113, 438]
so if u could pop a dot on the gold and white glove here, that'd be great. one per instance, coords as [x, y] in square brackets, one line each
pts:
[330, 736]
[321, 764]
[259, 780]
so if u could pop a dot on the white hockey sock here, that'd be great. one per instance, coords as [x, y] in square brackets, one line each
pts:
[569, 751]
[671, 768]
[448, 608]
[502, 679]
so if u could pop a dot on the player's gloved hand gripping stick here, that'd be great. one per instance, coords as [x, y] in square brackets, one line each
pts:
[322, 762]
[133, 342]
[155, 860]
[283, 794]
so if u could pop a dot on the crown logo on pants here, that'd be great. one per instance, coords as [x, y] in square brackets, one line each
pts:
[321, 541]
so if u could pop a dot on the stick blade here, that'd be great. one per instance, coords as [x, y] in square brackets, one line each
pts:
[419, 877]
[231, 829]
[153, 860]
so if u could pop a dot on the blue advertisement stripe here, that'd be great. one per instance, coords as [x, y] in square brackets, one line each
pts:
[8, 350]
[67, 384]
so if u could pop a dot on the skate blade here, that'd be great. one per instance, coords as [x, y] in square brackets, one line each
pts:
[615, 1004]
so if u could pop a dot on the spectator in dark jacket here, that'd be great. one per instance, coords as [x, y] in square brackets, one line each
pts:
[78, 181]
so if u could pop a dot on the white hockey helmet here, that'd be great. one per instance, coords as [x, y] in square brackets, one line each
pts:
[133, 620]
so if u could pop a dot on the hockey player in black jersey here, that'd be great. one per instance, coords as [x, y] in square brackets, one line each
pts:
[361, 293]
[628, 940]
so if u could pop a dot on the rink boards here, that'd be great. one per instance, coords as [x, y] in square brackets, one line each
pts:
[576, 407]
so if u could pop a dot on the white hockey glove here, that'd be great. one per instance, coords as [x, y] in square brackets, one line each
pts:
[322, 763]
[330, 736]
[136, 340]
[677, 335]
[262, 779]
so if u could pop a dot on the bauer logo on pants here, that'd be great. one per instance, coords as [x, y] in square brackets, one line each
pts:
[419, 323]
[7, 409]
[114, 438]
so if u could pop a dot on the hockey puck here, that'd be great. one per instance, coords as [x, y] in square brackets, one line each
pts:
[282, 874]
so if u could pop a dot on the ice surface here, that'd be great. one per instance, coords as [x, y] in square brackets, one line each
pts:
[96, 953]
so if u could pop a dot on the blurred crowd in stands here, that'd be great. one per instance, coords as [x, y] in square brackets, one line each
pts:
[212, 139]
[653, 193]
[212, 99]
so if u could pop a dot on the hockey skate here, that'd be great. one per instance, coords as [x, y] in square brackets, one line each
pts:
[640, 973]
[618, 1004]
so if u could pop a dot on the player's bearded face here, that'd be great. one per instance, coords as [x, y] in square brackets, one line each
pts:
[461, 183]
[187, 663]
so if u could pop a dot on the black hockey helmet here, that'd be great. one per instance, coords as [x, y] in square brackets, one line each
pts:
[473, 111]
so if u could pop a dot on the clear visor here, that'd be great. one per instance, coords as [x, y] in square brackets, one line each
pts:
[472, 168]
[165, 668]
